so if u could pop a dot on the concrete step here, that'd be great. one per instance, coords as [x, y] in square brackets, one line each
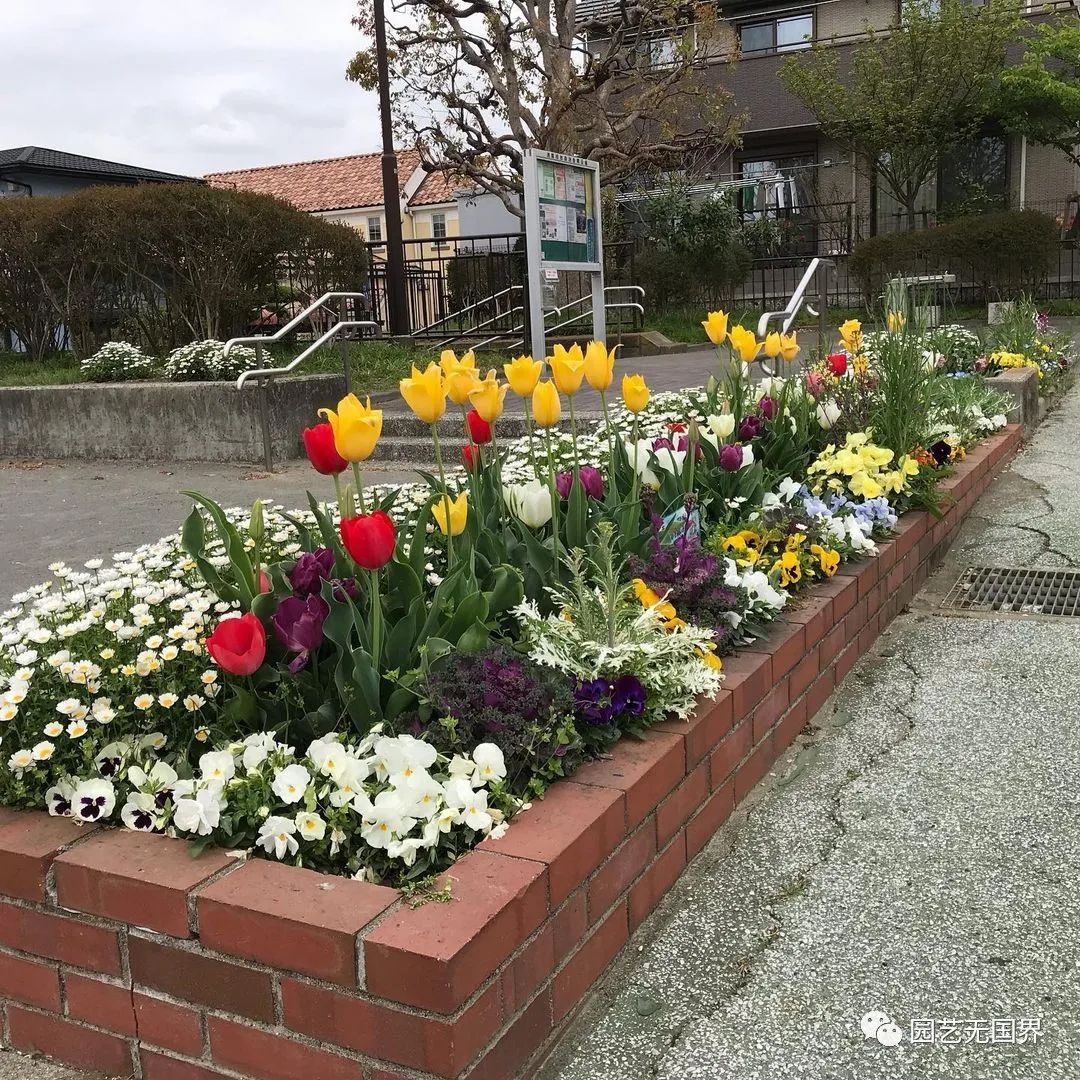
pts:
[397, 425]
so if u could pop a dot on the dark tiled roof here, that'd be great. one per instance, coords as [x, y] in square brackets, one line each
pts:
[41, 159]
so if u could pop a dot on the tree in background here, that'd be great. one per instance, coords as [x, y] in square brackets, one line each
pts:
[1040, 98]
[911, 93]
[476, 82]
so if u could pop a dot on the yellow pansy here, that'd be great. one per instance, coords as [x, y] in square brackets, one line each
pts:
[546, 406]
[523, 373]
[716, 326]
[599, 365]
[795, 541]
[451, 514]
[356, 427]
[635, 393]
[789, 568]
[710, 659]
[908, 466]
[772, 345]
[425, 393]
[745, 343]
[829, 560]
[487, 397]
[649, 599]
[567, 368]
[789, 346]
[862, 483]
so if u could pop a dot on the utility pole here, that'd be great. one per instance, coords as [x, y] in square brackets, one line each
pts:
[397, 302]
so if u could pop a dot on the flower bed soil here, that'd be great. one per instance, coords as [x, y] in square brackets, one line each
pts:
[121, 953]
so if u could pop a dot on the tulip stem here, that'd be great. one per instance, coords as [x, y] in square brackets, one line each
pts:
[529, 436]
[337, 491]
[636, 483]
[573, 432]
[554, 507]
[498, 475]
[359, 487]
[445, 495]
[376, 620]
[611, 445]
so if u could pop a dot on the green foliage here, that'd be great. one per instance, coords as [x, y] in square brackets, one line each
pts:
[1006, 252]
[911, 93]
[1040, 97]
[906, 384]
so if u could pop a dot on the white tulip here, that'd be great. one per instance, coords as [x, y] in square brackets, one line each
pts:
[530, 502]
[828, 412]
[721, 426]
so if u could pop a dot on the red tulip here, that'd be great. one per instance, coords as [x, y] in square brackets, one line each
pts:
[321, 451]
[479, 428]
[238, 645]
[369, 539]
[837, 363]
[470, 457]
[265, 584]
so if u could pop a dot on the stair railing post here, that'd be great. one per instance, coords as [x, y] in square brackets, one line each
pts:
[343, 344]
[264, 413]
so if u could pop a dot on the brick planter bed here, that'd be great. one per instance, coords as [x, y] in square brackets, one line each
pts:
[121, 953]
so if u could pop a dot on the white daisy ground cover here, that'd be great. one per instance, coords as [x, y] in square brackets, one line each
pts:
[110, 709]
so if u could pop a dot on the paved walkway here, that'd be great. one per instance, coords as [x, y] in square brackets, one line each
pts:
[916, 852]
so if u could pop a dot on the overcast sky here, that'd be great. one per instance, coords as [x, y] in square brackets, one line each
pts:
[189, 86]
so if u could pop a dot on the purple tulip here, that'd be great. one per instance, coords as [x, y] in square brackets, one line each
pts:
[311, 569]
[768, 407]
[591, 480]
[750, 428]
[731, 457]
[298, 623]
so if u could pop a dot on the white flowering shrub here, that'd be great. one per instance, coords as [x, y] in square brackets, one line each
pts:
[206, 360]
[118, 361]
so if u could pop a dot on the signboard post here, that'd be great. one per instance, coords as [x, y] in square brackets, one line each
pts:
[562, 232]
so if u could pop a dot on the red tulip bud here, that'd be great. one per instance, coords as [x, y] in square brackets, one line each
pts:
[238, 645]
[321, 451]
[837, 363]
[479, 428]
[265, 584]
[470, 457]
[369, 539]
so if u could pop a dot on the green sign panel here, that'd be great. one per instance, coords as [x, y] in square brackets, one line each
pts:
[567, 213]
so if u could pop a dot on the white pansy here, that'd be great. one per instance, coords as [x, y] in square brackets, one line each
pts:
[490, 763]
[277, 836]
[93, 800]
[218, 766]
[310, 826]
[290, 783]
[200, 811]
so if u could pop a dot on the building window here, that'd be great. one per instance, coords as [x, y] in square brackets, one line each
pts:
[973, 177]
[438, 228]
[777, 35]
[374, 230]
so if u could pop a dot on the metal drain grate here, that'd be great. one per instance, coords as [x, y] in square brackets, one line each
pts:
[1018, 590]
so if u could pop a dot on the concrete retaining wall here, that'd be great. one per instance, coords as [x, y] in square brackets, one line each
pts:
[159, 421]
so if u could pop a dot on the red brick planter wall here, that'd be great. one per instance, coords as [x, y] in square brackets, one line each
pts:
[121, 953]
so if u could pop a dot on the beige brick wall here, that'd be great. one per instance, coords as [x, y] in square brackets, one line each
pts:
[1051, 178]
[852, 16]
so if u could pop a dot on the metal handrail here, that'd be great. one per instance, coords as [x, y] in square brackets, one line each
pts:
[263, 339]
[588, 314]
[462, 311]
[796, 301]
[588, 299]
[479, 326]
[266, 374]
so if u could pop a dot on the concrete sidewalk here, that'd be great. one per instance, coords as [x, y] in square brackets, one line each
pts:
[915, 853]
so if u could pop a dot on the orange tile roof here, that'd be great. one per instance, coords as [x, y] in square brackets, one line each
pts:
[329, 184]
[436, 188]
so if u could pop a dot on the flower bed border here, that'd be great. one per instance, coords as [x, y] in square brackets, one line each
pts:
[121, 953]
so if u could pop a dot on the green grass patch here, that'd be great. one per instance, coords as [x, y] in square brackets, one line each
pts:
[17, 370]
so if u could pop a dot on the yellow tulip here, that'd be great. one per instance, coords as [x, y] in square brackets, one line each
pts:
[425, 393]
[599, 365]
[895, 320]
[635, 393]
[487, 397]
[567, 368]
[356, 427]
[459, 375]
[451, 514]
[546, 406]
[523, 373]
[849, 329]
[773, 345]
[716, 326]
[789, 347]
[745, 343]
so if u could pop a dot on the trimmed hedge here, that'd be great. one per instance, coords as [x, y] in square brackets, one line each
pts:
[1005, 253]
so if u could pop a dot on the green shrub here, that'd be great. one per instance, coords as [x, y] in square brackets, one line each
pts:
[202, 360]
[118, 361]
[1004, 253]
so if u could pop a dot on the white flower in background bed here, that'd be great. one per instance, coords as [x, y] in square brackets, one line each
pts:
[206, 360]
[118, 361]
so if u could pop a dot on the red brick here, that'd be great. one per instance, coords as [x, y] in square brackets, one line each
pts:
[700, 828]
[435, 956]
[65, 1041]
[203, 980]
[819, 693]
[726, 757]
[651, 887]
[676, 809]
[443, 1047]
[787, 643]
[769, 710]
[29, 841]
[573, 982]
[518, 1043]
[134, 877]
[528, 969]
[854, 620]
[27, 980]
[868, 635]
[569, 924]
[707, 725]
[750, 772]
[290, 918]
[844, 597]
[748, 676]
[804, 674]
[646, 769]
[831, 645]
[116, 1008]
[159, 1067]
[792, 722]
[886, 556]
[571, 830]
[623, 868]
[845, 662]
[60, 937]
[814, 613]
[263, 1055]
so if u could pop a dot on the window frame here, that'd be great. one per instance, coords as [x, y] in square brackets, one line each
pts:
[773, 23]
[374, 225]
[439, 240]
